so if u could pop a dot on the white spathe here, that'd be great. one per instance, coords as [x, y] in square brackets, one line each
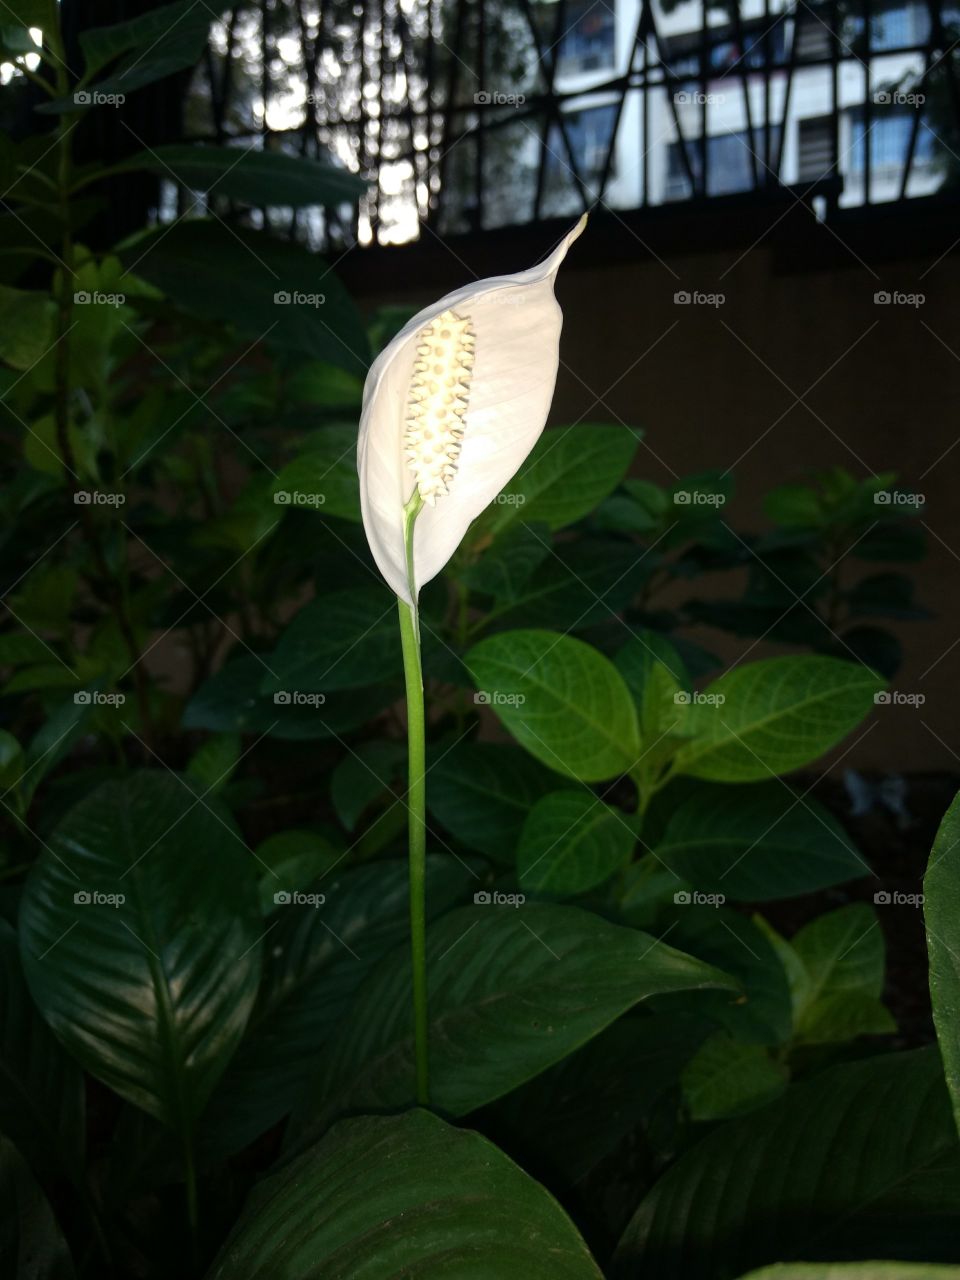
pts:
[516, 325]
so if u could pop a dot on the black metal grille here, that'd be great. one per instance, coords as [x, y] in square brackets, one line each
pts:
[480, 113]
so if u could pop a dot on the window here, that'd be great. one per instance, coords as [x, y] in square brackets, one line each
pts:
[589, 132]
[889, 140]
[892, 26]
[729, 163]
[816, 148]
[588, 42]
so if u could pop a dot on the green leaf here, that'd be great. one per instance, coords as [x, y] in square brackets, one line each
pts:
[32, 1246]
[775, 715]
[571, 842]
[837, 983]
[862, 1160]
[761, 1012]
[41, 1099]
[243, 277]
[511, 991]
[346, 640]
[364, 775]
[323, 478]
[314, 963]
[941, 889]
[151, 993]
[253, 176]
[756, 843]
[726, 1076]
[26, 326]
[505, 567]
[231, 701]
[289, 861]
[158, 43]
[214, 763]
[569, 471]
[403, 1196]
[481, 793]
[561, 699]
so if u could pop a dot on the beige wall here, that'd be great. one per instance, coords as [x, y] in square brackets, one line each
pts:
[718, 388]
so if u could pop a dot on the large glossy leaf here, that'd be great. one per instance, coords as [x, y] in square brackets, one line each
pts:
[941, 888]
[511, 991]
[570, 470]
[481, 793]
[140, 941]
[156, 44]
[863, 1158]
[561, 699]
[32, 1246]
[772, 716]
[346, 640]
[411, 1196]
[324, 477]
[41, 1089]
[571, 842]
[316, 959]
[268, 289]
[726, 1077]
[757, 843]
[254, 176]
[232, 701]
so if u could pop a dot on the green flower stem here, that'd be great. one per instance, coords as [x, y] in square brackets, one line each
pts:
[416, 800]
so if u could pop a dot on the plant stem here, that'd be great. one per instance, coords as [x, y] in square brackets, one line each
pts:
[416, 800]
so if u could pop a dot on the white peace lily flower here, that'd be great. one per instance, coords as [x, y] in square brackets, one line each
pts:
[451, 408]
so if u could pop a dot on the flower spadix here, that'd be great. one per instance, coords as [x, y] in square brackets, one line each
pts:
[451, 408]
